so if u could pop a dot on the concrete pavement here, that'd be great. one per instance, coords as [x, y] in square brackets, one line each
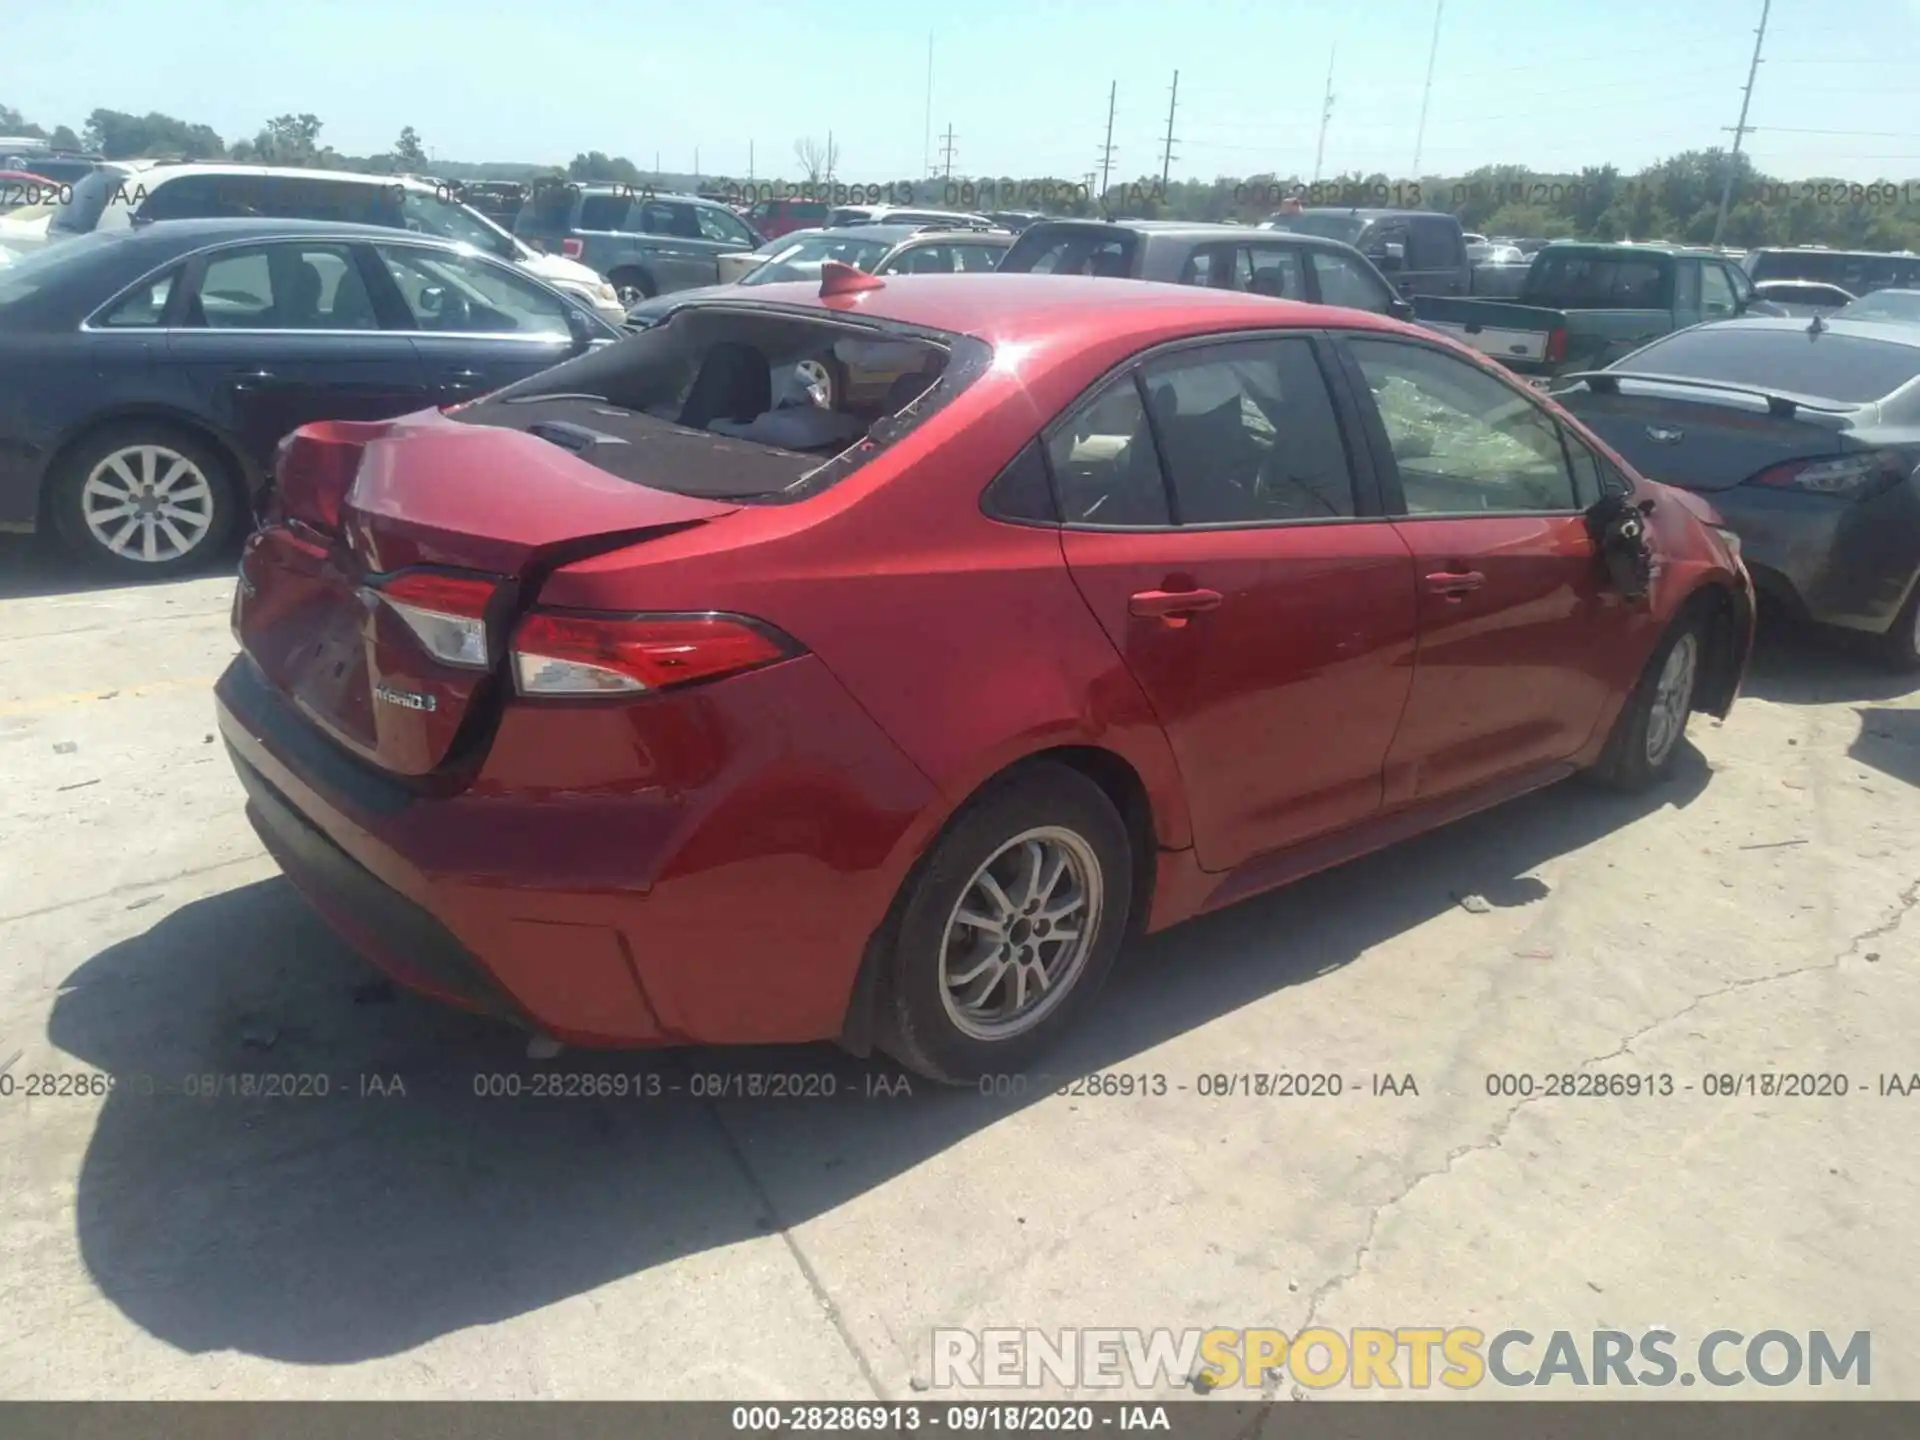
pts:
[1755, 916]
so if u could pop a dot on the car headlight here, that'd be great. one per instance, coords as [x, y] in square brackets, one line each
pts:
[1728, 539]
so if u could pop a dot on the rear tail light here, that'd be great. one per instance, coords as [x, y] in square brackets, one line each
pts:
[577, 654]
[1556, 344]
[1847, 477]
[573, 247]
[446, 612]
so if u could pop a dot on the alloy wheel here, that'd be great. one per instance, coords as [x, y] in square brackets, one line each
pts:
[1672, 698]
[1020, 934]
[147, 503]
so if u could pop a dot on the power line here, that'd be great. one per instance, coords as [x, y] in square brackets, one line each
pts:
[1740, 126]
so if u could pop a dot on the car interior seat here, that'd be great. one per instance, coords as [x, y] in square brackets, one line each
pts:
[735, 382]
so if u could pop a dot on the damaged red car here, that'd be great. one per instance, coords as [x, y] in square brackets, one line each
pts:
[672, 697]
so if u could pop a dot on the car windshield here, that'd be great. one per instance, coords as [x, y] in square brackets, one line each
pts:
[1849, 369]
[1344, 228]
[1884, 305]
[803, 258]
[427, 213]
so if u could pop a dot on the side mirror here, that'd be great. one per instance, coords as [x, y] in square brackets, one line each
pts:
[433, 300]
[1389, 257]
[1401, 309]
[580, 329]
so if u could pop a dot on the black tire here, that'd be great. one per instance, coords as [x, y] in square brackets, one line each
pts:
[633, 286]
[1899, 648]
[68, 500]
[1625, 763]
[915, 1026]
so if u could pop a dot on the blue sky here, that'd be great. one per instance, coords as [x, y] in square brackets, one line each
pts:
[1549, 84]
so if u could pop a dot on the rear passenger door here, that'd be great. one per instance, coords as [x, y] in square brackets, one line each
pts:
[1230, 542]
[279, 333]
[1521, 638]
[1436, 256]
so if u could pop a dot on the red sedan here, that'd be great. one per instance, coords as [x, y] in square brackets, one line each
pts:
[637, 708]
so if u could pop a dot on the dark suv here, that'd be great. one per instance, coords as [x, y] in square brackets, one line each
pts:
[1224, 257]
[1423, 252]
[645, 244]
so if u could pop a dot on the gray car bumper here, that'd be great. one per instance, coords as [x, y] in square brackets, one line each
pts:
[1839, 562]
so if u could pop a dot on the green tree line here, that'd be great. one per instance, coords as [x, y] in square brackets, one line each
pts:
[1677, 199]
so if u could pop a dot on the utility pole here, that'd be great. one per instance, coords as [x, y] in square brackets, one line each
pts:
[831, 157]
[749, 162]
[1106, 150]
[1433, 54]
[1326, 114]
[946, 152]
[696, 167]
[926, 133]
[1740, 129]
[1166, 155]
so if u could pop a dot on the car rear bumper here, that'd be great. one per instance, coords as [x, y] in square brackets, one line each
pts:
[565, 887]
[1837, 562]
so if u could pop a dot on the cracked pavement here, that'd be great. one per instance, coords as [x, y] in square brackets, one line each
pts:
[1756, 917]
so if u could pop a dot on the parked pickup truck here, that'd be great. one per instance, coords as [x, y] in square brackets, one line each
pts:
[1581, 307]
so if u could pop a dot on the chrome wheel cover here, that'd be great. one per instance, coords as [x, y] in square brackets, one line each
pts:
[1020, 934]
[147, 503]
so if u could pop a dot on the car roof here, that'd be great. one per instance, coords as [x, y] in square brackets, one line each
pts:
[1003, 308]
[1184, 230]
[183, 235]
[176, 168]
[1829, 324]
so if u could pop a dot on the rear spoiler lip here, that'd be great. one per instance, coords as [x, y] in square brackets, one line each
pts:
[1783, 403]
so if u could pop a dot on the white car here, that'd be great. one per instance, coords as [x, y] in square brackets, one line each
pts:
[125, 192]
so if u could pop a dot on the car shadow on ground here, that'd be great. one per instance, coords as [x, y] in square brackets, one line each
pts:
[327, 1229]
[36, 565]
[1798, 664]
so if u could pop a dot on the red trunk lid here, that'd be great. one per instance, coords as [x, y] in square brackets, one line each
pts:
[472, 510]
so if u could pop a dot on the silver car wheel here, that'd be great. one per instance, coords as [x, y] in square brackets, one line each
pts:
[818, 380]
[148, 503]
[1673, 698]
[1020, 934]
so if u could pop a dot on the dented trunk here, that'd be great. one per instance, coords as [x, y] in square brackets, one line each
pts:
[393, 558]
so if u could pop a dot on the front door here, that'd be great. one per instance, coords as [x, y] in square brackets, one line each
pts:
[1519, 630]
[479, 324]
[279, 333]
[1233, 553]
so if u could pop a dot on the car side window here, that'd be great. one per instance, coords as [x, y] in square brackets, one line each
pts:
[299, 285]
[1716, 292]
[1433, 245]
[1588, 478]
[1272, 270]
[1686, 285]
[1743, 292]
[1344, 282]
[1104, 464]
[922, 260]
[659, 217]
[1202, 267]
[977, 259]
[145, 307]
[190, 197]
[1464, 442]
[450, 292]
[1249, 434]
[717, 224]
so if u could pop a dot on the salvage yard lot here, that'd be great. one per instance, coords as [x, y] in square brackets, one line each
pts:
[1757, 915]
